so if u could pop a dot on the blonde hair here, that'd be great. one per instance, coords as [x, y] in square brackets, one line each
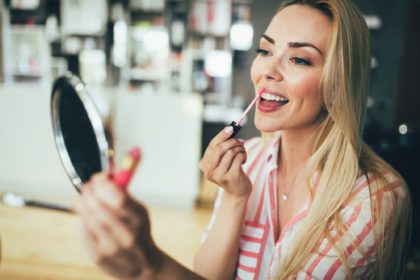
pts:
[344, 86]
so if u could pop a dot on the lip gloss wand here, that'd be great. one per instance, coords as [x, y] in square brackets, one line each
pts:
[237, 125]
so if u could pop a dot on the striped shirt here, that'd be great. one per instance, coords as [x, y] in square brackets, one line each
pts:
[262, 248]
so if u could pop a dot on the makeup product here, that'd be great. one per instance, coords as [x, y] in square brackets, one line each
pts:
[129, 164]
[19, 201]
[237, 125]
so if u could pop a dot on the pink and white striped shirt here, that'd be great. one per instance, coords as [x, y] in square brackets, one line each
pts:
[261, 250]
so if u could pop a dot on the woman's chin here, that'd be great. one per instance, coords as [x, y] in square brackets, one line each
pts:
[265, 128]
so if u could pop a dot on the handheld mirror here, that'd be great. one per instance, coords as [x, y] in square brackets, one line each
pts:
[80, 135]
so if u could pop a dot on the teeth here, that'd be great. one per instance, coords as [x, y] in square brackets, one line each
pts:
[268, 96]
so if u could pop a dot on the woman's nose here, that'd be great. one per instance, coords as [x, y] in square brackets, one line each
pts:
[273, 71]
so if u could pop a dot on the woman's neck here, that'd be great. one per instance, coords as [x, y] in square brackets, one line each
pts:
[295, 149]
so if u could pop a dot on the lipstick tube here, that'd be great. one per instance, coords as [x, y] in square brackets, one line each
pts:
[128, 167]
[236, 128]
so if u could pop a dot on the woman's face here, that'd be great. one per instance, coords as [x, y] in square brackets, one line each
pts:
[289, 66]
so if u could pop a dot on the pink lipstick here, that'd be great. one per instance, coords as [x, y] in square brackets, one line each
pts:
[128, 167]
[237, 125]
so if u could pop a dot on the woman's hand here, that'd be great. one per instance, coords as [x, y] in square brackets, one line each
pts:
[117, 230]
[222, 164]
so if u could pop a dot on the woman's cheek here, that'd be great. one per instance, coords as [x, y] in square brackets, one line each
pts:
[304, 86]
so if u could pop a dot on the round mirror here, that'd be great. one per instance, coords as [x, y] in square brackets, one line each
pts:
[80, 134]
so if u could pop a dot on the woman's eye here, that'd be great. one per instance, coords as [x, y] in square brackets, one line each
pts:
[262, 52]
[300, 61]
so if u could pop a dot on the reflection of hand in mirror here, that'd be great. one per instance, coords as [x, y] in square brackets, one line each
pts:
[117, 232]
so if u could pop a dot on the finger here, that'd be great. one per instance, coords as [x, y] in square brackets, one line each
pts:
[222, 136]
[235, 169]
[225, 163]
[89, 240]
[229, 144]
[100, 247]
[111, 258]
[122, 227]
[107, 192]
[214, 154]
[97, 226]
[121, 205]
[119, 208]
[84, 217]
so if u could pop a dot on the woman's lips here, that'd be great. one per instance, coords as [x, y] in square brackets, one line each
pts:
[267, 106]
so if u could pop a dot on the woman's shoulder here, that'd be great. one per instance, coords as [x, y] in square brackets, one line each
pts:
[385, 189]
[378, 183]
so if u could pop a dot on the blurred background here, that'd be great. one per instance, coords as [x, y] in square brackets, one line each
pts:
[170, 74]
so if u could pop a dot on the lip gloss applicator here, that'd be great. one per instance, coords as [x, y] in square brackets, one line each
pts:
[237, 125]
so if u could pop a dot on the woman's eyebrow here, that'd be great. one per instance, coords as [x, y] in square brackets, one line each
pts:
[268, 38]
[293, 44]
[302, 45]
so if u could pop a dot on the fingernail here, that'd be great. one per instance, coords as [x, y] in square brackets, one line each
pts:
[228, 129]
[242, 141]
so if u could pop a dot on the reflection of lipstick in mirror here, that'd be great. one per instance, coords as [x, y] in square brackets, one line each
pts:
[129, 164]
[237, 125]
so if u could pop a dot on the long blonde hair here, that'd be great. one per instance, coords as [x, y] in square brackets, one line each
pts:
[344, 86]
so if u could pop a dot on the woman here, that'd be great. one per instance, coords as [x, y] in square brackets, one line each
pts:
[319, 203]
[308, 200]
